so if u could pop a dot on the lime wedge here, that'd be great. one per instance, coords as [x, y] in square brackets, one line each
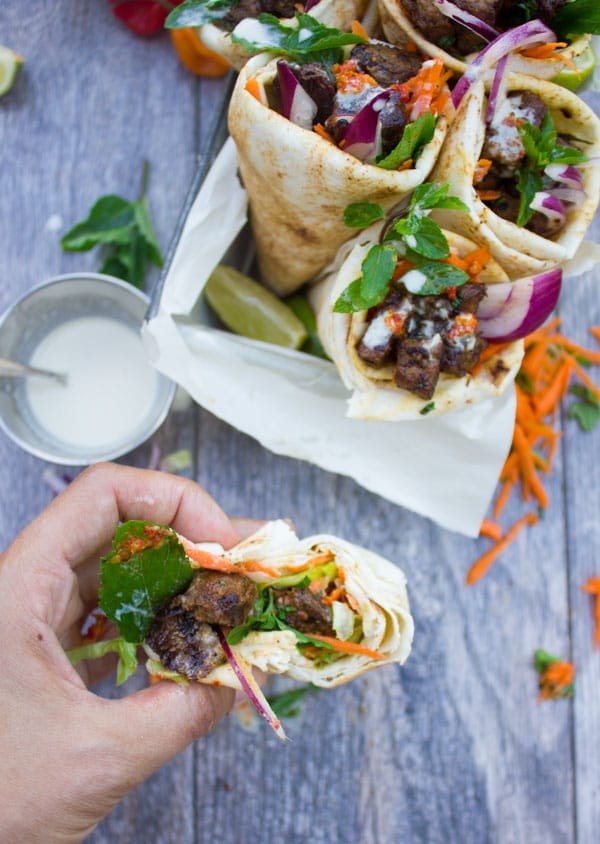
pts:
[10, 62]
[585, 62]
[247, 308]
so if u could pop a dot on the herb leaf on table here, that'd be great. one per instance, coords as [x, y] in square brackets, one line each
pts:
[198, 13]
[125, 228]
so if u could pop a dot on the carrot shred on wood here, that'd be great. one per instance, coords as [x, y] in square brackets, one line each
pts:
[480, 567]
[490, 529]
[347, 647]
[592, 587]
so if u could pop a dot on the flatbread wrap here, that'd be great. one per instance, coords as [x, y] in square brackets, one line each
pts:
[423, 23]
[217, 35]
[320, 610]
[301, 175]
[413, 355]
[527, 175]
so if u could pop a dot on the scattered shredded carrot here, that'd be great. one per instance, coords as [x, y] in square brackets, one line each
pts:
[427, 91]
[254, 89]
[322, 131]
[488, 195]
[335, 595]
[481, 170]
[549, 53]
[206, 560]
[195, 56]
[317, 560]
[349, 79]
[556, 681]
[254, 565]
[358, 29]
[347, 647]
[592, 587]
[480, 567]
[490, 529]
[406, 165]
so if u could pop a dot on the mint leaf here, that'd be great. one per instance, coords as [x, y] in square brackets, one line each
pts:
[141, 217]
[198, 12]
[578, 17]
[427, 408]
[587, 410]
[528, 184]
[439, 277]
[109, 221]
[543, 660]
[432, 195]
[415, 136]
[147, 566]
[428, 240]
[351, 299]
[127, 664]
[359, 215]
[377, 271]
[308, 41]
[287, 704]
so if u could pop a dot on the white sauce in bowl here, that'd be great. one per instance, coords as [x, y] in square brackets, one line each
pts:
[111, 387]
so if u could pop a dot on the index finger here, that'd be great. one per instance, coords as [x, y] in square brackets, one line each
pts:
[82, 520]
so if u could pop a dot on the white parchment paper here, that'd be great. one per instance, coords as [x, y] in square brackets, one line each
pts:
[444, 467]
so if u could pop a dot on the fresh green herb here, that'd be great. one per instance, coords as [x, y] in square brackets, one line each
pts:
[421, 241]
[147, 566]
[308, 41]
[541, 149]
[287, 704]
[359, 215]
[525, 382]
[586, 410]
[427, 408]
[446, 42]
[327, 571]
[127, 664]
[267, 616]
[301, 307]
[123, 226]
[198, 12]
[415, 136]
[577, 17]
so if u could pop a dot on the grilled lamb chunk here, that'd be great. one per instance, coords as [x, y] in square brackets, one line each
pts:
[218, 598]
[418, 365]
[184, 644]
[244, 9]
[279, 8]
[385, 63]
[391, 119]
[304, 611]
[458, 359]
[428, 19]
[470, 295]
[547, 9]
[316, 82]
[503, 142]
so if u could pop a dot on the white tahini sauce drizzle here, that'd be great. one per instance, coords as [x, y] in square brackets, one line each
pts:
[414, 280]
[111, 386]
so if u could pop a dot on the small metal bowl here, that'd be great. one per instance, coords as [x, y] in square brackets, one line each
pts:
[24, 325]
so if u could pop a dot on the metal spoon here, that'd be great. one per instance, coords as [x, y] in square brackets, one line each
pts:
[13, 369]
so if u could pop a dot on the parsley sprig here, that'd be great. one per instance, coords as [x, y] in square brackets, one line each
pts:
[541, 149]
[414, 237]
[308, 41]
[414, 138]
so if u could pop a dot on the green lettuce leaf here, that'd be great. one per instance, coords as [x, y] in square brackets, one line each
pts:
[127, 664]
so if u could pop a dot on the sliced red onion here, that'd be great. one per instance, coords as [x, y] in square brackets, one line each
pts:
[363, 136]
[568, 174]
[244, 674]
[512, 310]
[296, 104]
[476, 25]
[549, 206]
[573, 195]
[309, 5]
[519, 38]
[498, 90]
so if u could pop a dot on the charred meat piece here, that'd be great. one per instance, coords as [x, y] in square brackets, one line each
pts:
[243, 9]
[542, 225]
[316, 82]
[385, 63]
[219, 598]
[428, 19]
[304, 611]
[279, 8]
[337, 126]
[547, 9]
[470, 295]
[391, 119]
[418, 365]
[184, 644]
[461, 353]
[387, 321]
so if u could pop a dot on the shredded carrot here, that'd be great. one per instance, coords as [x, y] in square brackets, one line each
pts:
[195, 56]
[480, 567]
[347, 647]
[254, 565]
[322, 131]
[592, 587]
[488, 195]
[585, 378]
[482, 168]
[316, 585]
[349, 79]
[548, 52]
[358, 29]
[490, 529]
[253, 88]
[406, 165]
[317, 560]
[426, 91]
[206, 560]
[595, 332]
[337, 593]
[556, 681]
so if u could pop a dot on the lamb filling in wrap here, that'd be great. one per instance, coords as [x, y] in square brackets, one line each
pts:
[218, 21]
[419, 320]
[459, 30]
[521, 160]
[320, 128]
[319, 610]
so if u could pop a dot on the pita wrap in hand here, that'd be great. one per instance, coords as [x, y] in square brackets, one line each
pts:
[299, 183]
[375, 394]
[320, 610]
[336, 13]
[400, 29]
[519, 250]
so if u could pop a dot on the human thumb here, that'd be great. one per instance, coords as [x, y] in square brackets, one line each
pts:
[153, 725]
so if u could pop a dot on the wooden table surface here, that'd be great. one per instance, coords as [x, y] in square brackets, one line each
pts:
[454, 746]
